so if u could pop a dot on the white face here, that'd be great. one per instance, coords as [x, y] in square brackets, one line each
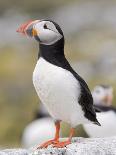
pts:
[47, 32]
[102, 95]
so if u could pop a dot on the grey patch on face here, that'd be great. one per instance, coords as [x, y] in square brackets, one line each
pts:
[47, 32]
[29, 30]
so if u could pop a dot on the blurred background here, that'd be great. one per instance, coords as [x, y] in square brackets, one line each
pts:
[90, 30]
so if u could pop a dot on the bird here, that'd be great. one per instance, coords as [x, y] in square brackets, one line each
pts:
[37, 132]
[103, 96]
[40, 129]
[64, 93]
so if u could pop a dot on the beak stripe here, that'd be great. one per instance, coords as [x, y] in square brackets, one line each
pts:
[22, 29]
[34, 32]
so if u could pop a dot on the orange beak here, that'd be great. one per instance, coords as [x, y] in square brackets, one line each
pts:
[34, 32]
[108, 100]
[27, 28]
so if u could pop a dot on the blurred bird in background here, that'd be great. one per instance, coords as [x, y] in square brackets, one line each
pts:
[103, 96]
[39, 130]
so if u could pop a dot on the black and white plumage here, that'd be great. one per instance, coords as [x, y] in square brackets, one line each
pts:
[102, 96]
[64, 93]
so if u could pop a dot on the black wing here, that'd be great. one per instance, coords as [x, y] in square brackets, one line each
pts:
[86, 100]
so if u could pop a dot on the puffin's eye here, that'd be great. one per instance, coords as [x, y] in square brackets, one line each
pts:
[45, 26]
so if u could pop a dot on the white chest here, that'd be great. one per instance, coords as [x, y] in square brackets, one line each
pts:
[57, 89]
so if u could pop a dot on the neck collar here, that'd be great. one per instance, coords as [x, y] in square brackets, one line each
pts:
[52, 51]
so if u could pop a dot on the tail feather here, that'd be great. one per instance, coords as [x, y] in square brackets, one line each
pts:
[97, 123]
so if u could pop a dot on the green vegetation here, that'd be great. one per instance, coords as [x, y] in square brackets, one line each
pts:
[18, 98]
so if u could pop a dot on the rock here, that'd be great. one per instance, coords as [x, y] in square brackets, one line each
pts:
[79, 146]
[14, 152]
[83, 146]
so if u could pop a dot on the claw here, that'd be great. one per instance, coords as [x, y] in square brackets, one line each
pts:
[45, 145]
[62, 144]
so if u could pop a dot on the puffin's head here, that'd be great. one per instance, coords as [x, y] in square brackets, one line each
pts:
[103, 94]
[45, 31]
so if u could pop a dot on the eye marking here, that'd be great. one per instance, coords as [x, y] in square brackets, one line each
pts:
[45, 26]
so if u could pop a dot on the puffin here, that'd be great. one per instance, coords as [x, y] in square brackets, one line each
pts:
[64, 93]
[39, 130]
[103, 96]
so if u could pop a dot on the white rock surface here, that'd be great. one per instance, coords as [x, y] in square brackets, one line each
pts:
[14, 152]
[79, 146]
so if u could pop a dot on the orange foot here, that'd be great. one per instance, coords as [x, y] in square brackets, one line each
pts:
[44, 145]
[62, 144]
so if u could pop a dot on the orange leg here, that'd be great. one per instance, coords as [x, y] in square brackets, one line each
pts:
[63, 144]
[53, 141]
